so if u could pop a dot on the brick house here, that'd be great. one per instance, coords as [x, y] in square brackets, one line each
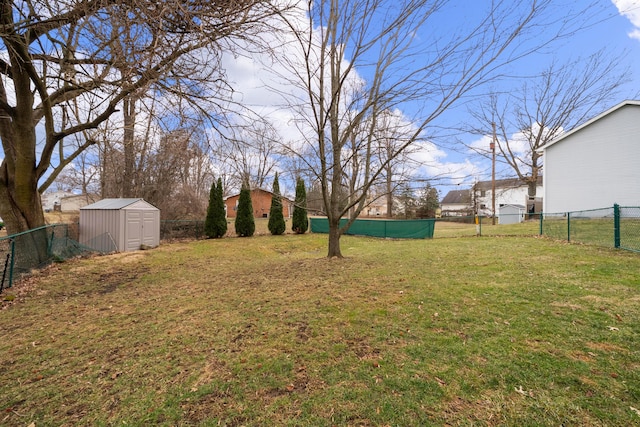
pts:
[261, 202]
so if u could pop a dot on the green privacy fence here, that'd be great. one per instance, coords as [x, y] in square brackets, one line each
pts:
[616, 227]
[399, 229]
[23, 252]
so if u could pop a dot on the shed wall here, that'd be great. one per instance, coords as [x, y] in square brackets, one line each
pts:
[100, 229]
[510, 214]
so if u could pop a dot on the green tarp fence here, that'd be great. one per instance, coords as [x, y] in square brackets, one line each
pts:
[392, 228]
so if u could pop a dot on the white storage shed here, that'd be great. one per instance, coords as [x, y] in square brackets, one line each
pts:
[119, 225]
[511, 214]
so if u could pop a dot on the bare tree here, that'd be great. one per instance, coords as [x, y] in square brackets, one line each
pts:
[404, 60]
[173, 178]
[171, 171]
[60, 55]
[559, 99]
[81, 175]
[251, 153]
[397, 167]
[388, 133]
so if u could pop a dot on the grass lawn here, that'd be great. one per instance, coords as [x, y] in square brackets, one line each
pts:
[446, 228]
[265, 331]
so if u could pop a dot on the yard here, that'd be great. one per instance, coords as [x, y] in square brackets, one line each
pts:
[267, 331]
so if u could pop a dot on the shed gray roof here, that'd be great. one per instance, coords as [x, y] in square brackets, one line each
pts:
[113, 204]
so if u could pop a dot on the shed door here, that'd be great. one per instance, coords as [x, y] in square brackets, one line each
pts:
[149, 228]
[133, 235]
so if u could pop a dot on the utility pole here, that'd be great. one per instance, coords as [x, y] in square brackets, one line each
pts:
[493, 175]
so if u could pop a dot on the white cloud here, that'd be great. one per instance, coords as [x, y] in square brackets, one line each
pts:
[263, 85]
[481, 145]
[631, 10]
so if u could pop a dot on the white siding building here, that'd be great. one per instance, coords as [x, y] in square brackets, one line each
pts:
[596, 164]
[511, 191]
[457, 203]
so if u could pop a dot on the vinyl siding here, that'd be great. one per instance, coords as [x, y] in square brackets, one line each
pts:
[124, 228]
[596, 166]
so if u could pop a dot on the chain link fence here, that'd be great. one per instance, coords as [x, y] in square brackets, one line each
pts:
[615, 227]
[629, 229]
[503, 225]
[23, 252]
[181, 229]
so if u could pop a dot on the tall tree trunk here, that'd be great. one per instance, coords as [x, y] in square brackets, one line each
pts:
[334, 238]
[532, 185]
[20, 203]
[21, 210]
[129, 181]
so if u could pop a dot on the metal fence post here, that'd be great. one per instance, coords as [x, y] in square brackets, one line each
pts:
[568, 226]
[616, 225]
[50, 242]
[541, 215]
[13, 257]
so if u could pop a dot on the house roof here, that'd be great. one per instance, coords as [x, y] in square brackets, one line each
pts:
[504, 183]
[589, 122]
[457, 197]
[112, 204]
[258, 189]
[80, 196]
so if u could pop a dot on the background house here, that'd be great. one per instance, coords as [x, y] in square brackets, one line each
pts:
[66, 201]
[52, 200]
[261, 202]
[77, 201]
[376, 207]
[457, 203]
[511, 191]
[596, 164]
[479, 198]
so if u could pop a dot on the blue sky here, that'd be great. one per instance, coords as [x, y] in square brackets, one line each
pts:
[609, 29]
[613, 25]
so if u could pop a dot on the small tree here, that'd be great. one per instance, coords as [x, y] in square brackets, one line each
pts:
[300, 222]
[209, 221]
[407, 202]
[428, 202]
[245, 225]
[276, 224]
[215, 225]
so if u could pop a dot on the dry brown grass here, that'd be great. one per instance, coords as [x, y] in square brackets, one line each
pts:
[267, 331]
